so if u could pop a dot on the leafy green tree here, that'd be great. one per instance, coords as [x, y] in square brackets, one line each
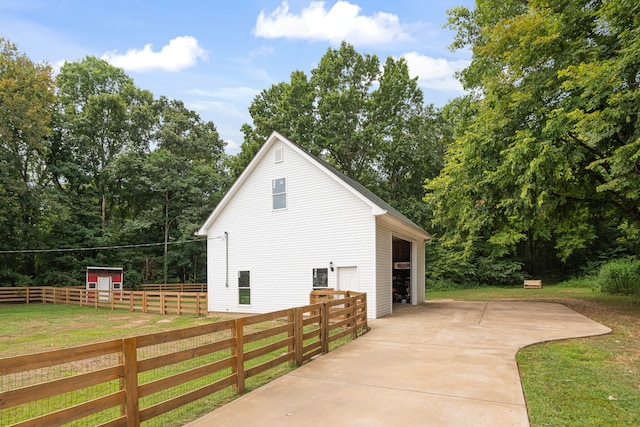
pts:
[343, 83]
[101, 114]
[26, 100]
[284, 107]
[171, 190]
[410, 139]
[100, 164]
[551, 154]
[368, 121]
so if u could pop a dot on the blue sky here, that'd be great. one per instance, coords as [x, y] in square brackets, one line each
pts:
[216, 56]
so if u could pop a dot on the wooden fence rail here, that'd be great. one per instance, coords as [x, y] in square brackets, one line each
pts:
[132, 380]
[176, 287]
[162, 302]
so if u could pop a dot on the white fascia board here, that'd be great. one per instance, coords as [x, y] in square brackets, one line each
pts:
[397, 224]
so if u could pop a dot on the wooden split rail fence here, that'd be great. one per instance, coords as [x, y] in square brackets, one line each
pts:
[128, 381]
[162, 302]
[176, 287]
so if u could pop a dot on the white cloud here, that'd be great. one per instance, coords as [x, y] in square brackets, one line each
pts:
[180, 53]
[435, 73]
[342, 22]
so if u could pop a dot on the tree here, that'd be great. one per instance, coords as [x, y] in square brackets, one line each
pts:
[550, 156]
[100, 115]
[286, 108]
[171, 190]
[26, 100]
[343, 82]
[367, 121]
[411, 138]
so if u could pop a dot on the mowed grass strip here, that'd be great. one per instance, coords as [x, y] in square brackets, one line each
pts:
[592, 381]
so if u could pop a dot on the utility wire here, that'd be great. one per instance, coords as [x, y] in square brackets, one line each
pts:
[36, 251]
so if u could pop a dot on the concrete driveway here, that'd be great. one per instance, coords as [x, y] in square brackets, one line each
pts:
[442, 363]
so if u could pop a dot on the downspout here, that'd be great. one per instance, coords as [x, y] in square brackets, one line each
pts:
[226, 241]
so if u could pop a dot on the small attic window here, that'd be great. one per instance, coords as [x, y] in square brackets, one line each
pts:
[279, 155]
[279, 193]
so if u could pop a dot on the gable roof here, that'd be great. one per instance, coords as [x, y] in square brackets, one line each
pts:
[378, 206]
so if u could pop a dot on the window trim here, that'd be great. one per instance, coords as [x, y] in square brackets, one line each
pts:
[284, 193]
[279, 155]
[242, 287]
[314, 273]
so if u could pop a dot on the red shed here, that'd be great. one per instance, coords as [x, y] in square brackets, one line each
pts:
[104, 279]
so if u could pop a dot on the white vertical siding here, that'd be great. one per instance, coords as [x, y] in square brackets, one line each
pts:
[384, 270]
[323, 222]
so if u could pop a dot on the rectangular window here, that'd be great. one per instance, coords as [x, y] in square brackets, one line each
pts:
[320, 278]
[279, 155]
[244, 288]
[279, 193]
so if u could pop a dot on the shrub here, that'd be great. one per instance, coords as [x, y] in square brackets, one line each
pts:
[621, 276]
[499, 271]
[590, 282]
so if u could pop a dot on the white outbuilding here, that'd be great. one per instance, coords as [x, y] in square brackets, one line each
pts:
[291, 223]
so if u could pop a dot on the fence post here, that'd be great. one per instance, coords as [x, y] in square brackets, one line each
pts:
[364, 309]
[299, 335]
[324, 327]
[132, 410]
[239, 353]
[291, 319]
[354, 318]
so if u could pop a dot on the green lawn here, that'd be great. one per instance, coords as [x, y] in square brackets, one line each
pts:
[32, 328]
[588, 381]
[579, 382]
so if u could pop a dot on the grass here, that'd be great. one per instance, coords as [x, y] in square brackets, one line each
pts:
[26, 329]
[591, 381]
[32, 328]
[587, 381]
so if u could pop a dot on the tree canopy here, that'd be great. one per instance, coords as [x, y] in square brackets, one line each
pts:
[367, 120]
[549, 161]
[91, 161]
[26, 97]
[536, 170]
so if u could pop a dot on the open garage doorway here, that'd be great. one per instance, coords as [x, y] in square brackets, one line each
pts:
[402, 285]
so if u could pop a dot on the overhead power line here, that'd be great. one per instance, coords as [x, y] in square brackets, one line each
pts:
[140, 245]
